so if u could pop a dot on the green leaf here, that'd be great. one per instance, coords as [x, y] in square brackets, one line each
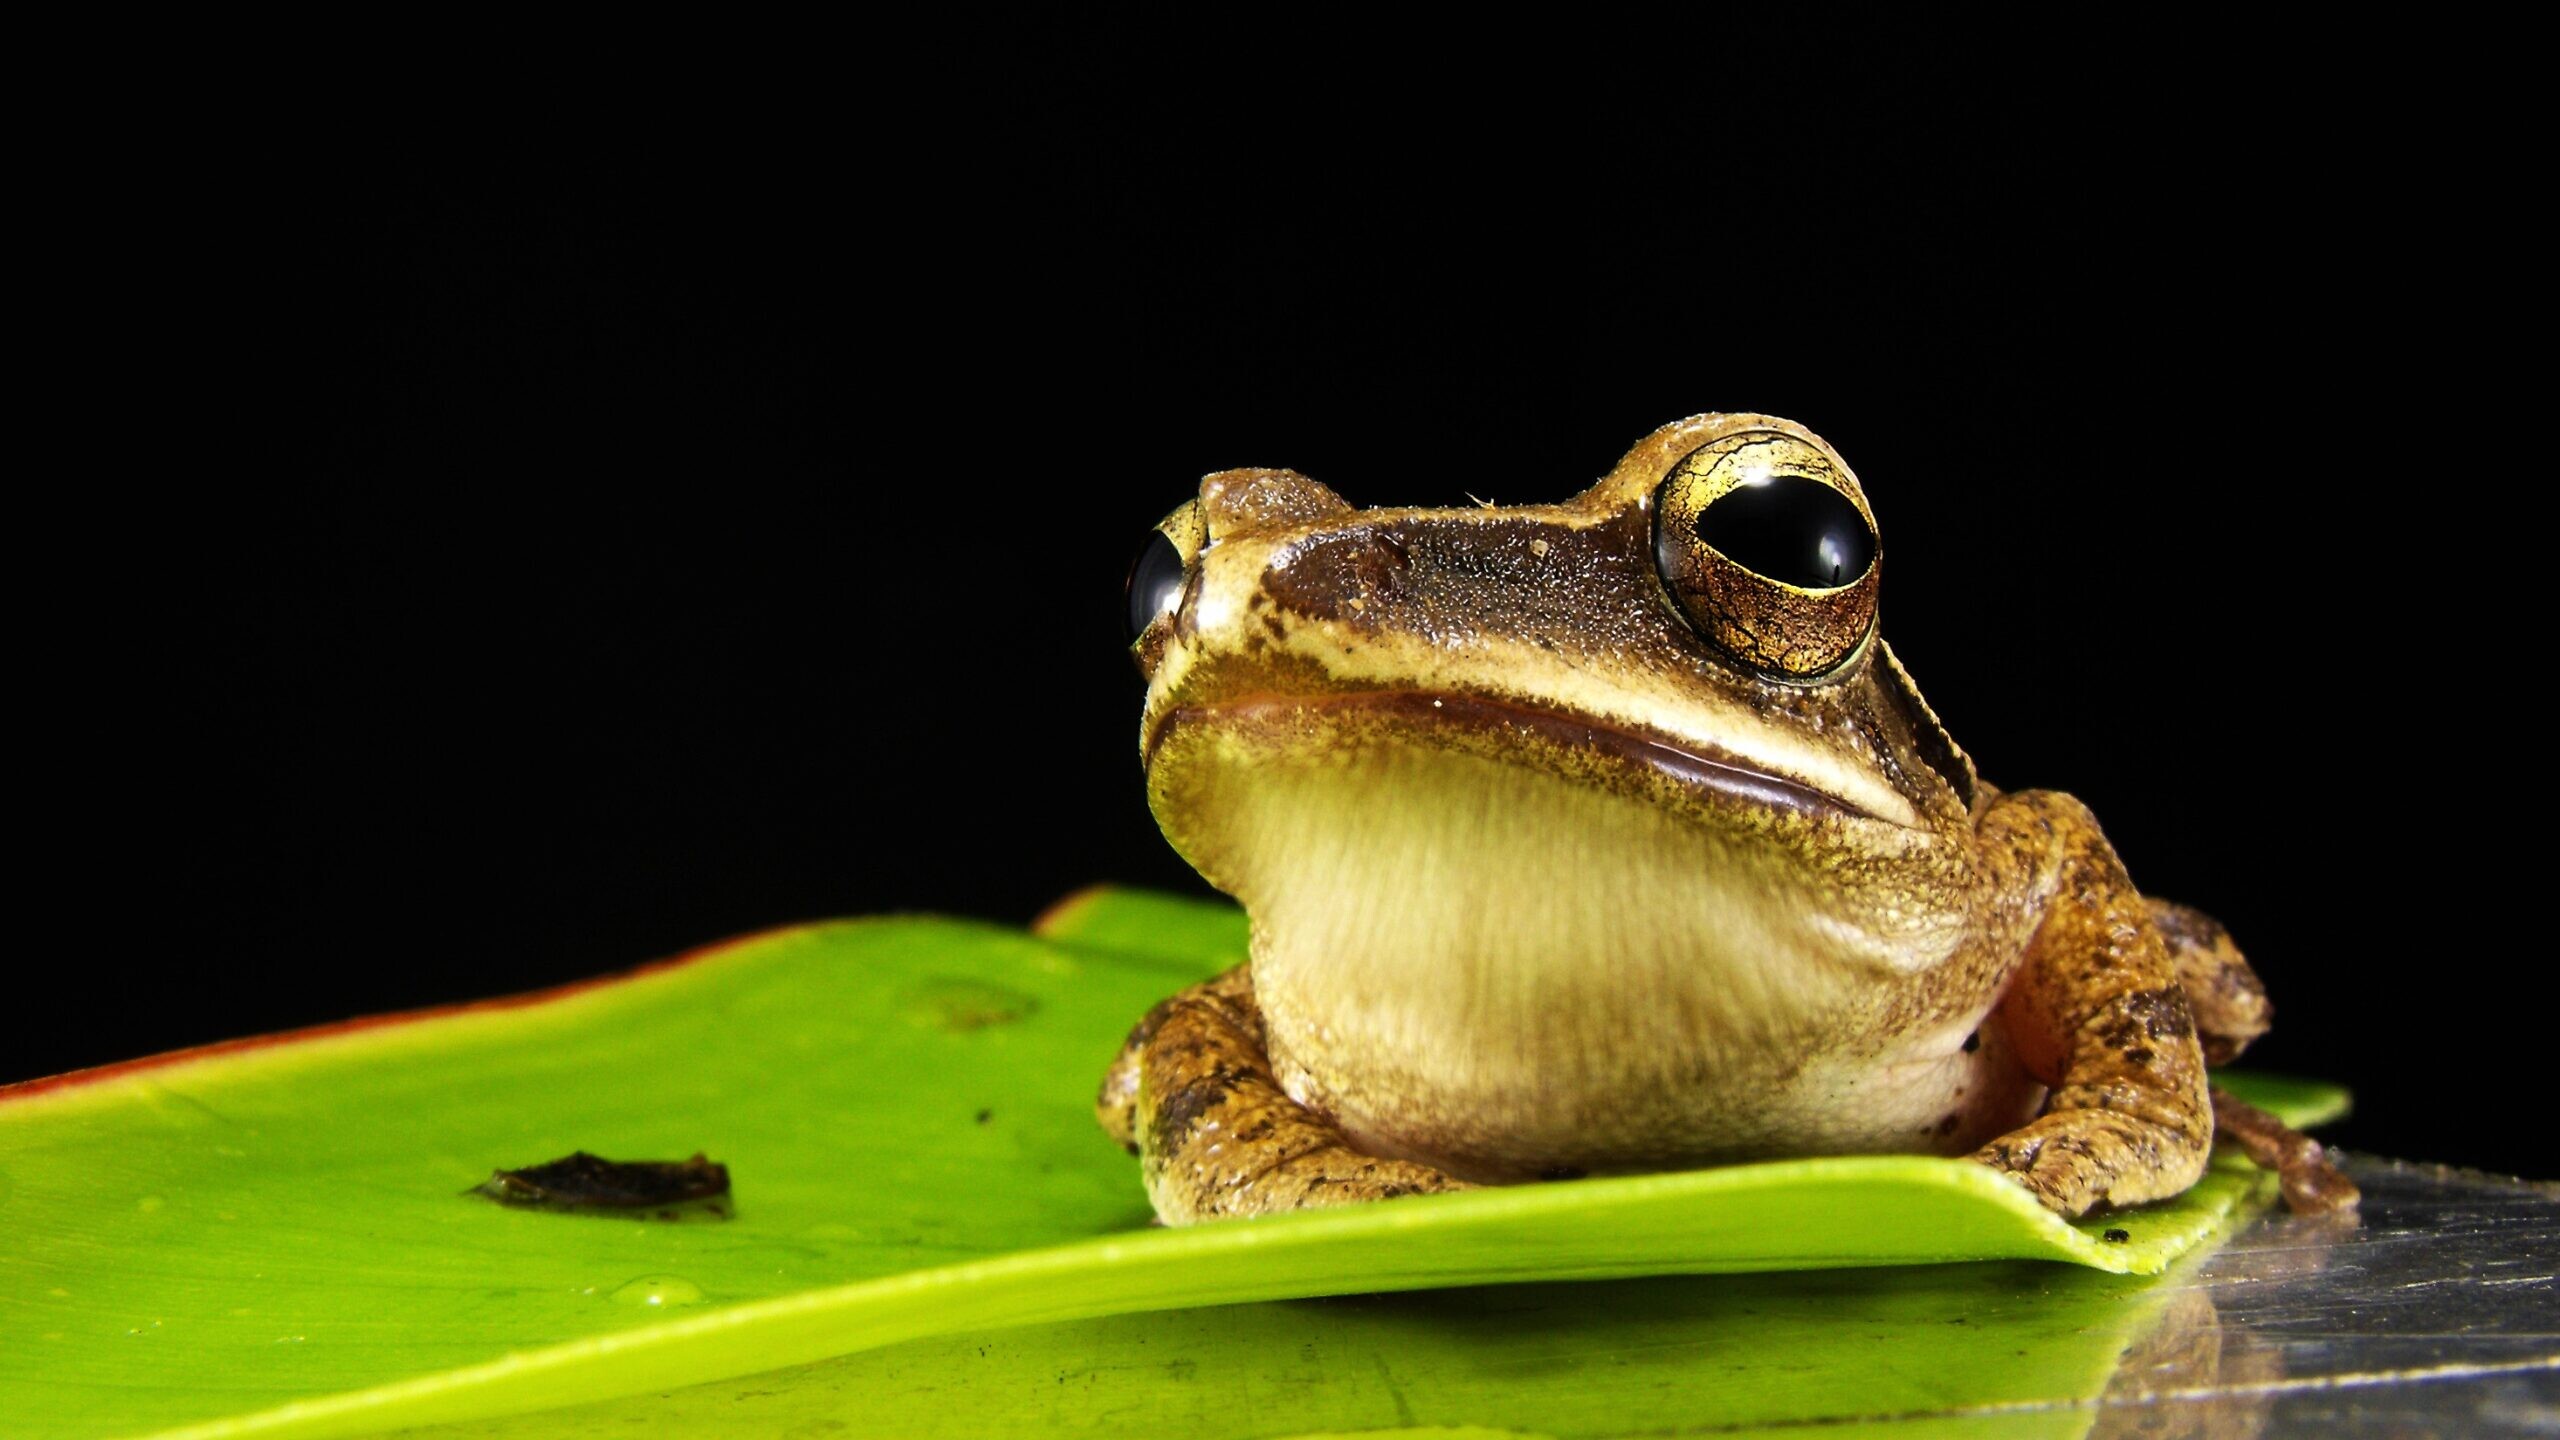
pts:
[2302, 1104]
[273, 1238]
[1634, 1357]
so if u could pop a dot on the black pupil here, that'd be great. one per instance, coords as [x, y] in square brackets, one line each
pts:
[1155, 582]
[1793, 530]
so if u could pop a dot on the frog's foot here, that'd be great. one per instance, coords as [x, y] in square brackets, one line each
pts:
[2229, 1003]
[2076, 1160]
[1192, 1095]
[2231, 1010]
[2312, 1186]
[2097, 1010]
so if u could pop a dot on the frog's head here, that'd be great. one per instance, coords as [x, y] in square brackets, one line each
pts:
[1688, 648]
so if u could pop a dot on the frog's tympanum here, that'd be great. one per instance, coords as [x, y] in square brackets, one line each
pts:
[1611, 836]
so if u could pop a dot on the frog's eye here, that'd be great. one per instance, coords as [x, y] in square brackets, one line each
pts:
[1155, 583]
[1163, 561]
[1766, 546]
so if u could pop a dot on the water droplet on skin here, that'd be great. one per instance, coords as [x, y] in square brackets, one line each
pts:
[659, 1291]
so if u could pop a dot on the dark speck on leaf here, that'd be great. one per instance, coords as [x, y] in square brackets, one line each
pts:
[985, 1115]
[2118, 1237]
[590, 1184]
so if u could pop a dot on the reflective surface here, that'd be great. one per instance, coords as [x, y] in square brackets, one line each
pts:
[2438, 1315]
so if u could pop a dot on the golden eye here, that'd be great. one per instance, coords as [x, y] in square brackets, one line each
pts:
[1766, 546]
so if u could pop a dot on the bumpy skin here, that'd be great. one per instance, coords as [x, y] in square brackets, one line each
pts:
[2097, 1012]
[1192, 1096]
[1570, 845]
[2121, 1013]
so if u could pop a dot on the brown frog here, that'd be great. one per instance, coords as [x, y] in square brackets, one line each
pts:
[1610, 836]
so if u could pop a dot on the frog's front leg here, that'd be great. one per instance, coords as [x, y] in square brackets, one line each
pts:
[1193, 1097]
[2096, 1012]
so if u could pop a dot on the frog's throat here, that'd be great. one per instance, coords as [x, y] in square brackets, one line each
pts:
[1500, 949]
[1711, 776]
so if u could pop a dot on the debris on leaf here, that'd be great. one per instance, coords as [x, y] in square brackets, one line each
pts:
[662, 1189]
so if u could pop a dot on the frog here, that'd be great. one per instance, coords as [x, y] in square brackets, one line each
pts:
[1610, 836]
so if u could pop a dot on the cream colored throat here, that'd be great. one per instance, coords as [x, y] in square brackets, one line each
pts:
[1512, 945]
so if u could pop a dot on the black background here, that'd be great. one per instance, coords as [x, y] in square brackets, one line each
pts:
[534, 542]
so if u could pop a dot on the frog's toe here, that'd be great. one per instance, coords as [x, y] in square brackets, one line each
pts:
[2075, 1160]
[2055, 1171]
[1197, 1187]
[2312, 1185]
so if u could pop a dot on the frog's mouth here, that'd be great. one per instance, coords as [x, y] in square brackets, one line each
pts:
[1703, 773]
